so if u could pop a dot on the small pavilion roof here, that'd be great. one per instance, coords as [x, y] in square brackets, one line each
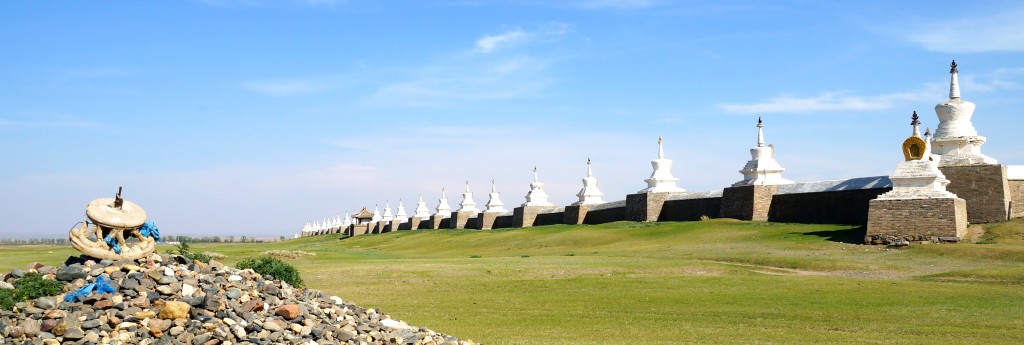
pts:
[364, 213]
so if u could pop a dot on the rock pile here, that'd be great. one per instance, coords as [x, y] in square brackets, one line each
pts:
[167, 300]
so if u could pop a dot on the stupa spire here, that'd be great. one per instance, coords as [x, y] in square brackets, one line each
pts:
[376, 213]
[760, 132]
[915, 121]
[400, 215]
[661, 149]
[954, 82]
[388, 216]
[590, 171]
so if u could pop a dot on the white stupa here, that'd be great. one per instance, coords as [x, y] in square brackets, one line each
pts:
[956, 142]
[494, 204]
[467, 204]
[590, 194]
[400, 215]
[917, 177]
[306, 229]
[661, 179]
[443, 209]
[536, 196]
[376, 215]
[388, 215]
[347, 221]
[421, 209]
[762, 169]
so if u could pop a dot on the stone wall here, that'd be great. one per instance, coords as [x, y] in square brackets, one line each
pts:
[827, 207]
[645, 207]
[747, 202]
[984, 187]
[690, 209]
[606, 213]
[526, 216]
[917, 219]
[1016, 198]
[550, 217]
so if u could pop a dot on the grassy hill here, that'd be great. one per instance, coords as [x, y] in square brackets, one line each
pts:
[717, 281]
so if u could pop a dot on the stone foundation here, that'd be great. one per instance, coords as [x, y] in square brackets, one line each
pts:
[984, 187]
[747, 202]
[485, 221]
[461, 220]
[575, 214]
[359, 229]
[645, 207]
[525, 216]
[912, 219]
[1016, 198]
[414, 223]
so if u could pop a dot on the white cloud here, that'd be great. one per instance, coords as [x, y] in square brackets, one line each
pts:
[489, 43]
[283, 88]
[829, 101]
[992, 33]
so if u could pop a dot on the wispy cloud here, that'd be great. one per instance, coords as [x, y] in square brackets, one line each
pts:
[829, 101]
[509, 65]
[283, 88]
[489, 43]
[990, 33]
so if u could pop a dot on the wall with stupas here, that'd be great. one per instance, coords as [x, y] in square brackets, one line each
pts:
[988, 192]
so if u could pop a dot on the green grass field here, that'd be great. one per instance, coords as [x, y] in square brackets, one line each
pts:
[717, 281]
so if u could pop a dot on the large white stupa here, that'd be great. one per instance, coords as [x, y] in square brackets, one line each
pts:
[400, 215]
[467, 204]
[661, 179]
[388, 215]
[762, 169]
[590, 194]
[421, 211]
[376, 214]
[536, 196]
[918, 176]
[494, 204]
[443, 209]
[347, 221]
[956, 142]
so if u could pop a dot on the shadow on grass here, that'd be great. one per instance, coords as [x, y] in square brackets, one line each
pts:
[851, 235]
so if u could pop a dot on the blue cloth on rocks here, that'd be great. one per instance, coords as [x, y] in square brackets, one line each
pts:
[101, 285]
[149, 230]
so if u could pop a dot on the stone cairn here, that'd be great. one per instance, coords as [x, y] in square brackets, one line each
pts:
[166, 299]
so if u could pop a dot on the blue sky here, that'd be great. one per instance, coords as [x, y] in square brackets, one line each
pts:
[252, 117]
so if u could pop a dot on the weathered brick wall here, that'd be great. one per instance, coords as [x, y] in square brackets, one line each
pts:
[747, 202]
[1016, 198]
[690, 209]
[575, 214]
[502, 222]
[463, 220]
[985, 189]
[485, 221]
[829, 207]
[915, 219]
[605, 215]
[645, 207]
[526, 216]
[549, 218]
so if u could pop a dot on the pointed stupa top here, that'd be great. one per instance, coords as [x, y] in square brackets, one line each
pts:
[467, 204]
[421, 211]
[347, 221]
[376, 214]
[762, 169]
[956, 142]
[536, 196]
[400, 215]
[590, 194]
[661, 179]
[388, 216]
[443, 209]
[494, 204]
